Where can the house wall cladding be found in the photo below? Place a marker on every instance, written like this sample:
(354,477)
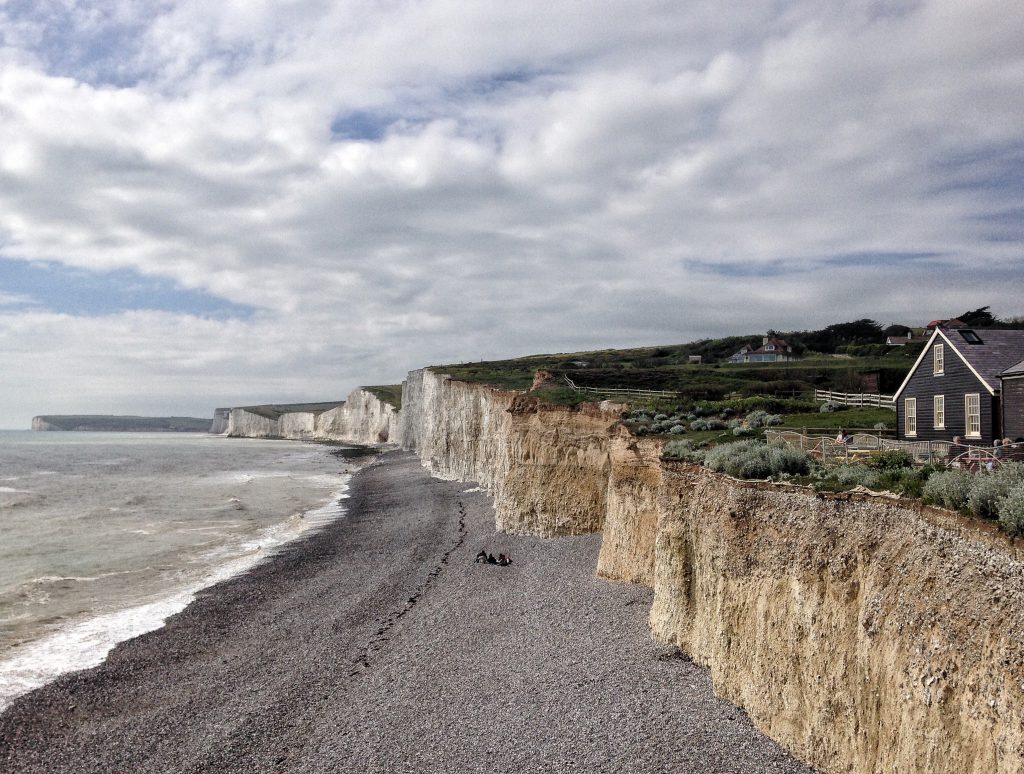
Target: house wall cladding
(956,381)
(1013,408)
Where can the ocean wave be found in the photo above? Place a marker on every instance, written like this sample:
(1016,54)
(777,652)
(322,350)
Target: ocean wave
(85,643)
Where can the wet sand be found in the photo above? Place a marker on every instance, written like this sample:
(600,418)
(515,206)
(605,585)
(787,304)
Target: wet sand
(377,645)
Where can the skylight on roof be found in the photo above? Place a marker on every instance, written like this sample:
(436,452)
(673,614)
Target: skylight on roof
(970,336)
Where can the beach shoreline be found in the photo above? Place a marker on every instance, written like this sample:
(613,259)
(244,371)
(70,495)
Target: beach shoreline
(376,644)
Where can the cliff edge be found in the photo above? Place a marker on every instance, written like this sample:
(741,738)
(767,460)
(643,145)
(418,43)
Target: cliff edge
(863,633)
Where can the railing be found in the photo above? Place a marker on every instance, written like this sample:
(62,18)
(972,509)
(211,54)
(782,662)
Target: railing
(863,445)
(621,391)
(856,398)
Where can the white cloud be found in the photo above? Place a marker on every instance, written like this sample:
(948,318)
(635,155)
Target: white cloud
(550,175)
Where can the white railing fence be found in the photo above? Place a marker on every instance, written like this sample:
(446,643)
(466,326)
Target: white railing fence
(855,398)
(620,390)
(863,445)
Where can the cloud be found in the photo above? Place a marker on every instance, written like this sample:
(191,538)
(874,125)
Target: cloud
(393,184)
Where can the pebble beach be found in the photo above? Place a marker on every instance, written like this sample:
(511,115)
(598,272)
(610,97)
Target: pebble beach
(377,645)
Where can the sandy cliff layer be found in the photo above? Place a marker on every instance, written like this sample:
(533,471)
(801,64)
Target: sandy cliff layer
(547,467)
(857,631)
(860,632)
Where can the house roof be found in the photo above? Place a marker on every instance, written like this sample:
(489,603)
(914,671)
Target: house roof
(987,352)
(1014,370)
(779,344)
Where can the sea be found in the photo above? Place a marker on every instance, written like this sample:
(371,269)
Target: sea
(103,536)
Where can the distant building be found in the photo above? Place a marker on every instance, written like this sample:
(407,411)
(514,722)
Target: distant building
(901,341)
(772,350)
(697,359)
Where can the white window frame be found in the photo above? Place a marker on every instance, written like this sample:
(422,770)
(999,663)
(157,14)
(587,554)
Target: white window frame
(939,412)
(938,360)
(975,398)
(910,417)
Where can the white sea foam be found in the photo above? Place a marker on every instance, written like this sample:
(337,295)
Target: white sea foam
(185,513)
(86,643)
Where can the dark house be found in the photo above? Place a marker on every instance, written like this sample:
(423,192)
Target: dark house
(954,387)
(1013,401)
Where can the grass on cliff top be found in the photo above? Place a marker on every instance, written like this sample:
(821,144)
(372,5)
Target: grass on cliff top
(665,368)
(275,410)
(389,393)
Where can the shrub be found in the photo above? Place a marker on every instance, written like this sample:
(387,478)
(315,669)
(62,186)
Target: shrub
(660,417)
(856,475)
(677,429)
(707,424)
(1011,510)
(881,426)
(739,430)
(949,488)
(751,459)
(682,449)
(761,418)
(894,459)
(988,488)
(829,407)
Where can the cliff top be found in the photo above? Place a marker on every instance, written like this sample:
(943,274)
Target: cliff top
(388,393)
(275,410)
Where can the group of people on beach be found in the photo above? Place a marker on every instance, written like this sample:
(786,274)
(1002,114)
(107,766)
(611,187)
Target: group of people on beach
(486,558)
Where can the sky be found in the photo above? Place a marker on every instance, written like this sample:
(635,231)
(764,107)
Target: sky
(215,204)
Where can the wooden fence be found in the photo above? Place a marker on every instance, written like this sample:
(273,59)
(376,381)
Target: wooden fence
(855,399)
(621,391)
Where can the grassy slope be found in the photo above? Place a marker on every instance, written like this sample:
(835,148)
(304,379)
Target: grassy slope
(389,393)
(665,368)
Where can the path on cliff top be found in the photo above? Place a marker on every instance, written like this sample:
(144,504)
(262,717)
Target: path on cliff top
(378,645)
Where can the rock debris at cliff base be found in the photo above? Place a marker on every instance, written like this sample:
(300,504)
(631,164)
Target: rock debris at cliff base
(378,645)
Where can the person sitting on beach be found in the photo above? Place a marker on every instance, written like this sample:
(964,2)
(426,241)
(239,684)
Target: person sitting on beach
(491,559)
(481,557)
(504,561)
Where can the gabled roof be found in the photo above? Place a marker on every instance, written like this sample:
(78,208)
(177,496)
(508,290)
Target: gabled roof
(992,352)
(1014,370)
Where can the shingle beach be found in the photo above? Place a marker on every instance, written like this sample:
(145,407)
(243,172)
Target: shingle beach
(378,645)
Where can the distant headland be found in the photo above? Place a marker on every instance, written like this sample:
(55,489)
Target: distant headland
(117,424)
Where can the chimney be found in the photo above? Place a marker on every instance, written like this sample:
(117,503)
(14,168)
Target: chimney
(764,341)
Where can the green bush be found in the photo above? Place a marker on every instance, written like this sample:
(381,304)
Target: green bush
(677,429)
(683,449)
(760,418)
(988,488)
(894,459)
(707,424)
(949,488)
(752,459)
(1011,511)
(856,475)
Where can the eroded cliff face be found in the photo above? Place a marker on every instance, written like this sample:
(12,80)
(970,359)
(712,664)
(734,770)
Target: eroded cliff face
(547,467)
(857,631)
(246,424)
(363,418)
(221,417)
(865,634)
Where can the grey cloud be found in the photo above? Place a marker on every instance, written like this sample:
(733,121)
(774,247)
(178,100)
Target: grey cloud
(534,177)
